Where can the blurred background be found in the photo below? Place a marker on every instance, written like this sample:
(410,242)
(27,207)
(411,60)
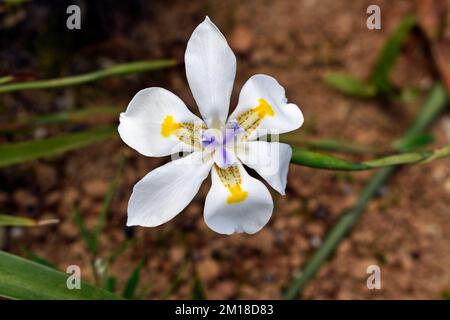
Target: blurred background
(405,229)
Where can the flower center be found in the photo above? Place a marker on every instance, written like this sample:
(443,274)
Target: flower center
(221,143)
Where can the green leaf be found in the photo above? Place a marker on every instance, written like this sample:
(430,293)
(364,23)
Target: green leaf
(91,115)
(397,159)
(14,153)
(389,53)
(16,221)
(380,79)
(110,284)
(350,86)
(117,70)
(75,115)
(436,100)
(84,232)
(323,161)
(197,291)
(412,142)
(112,257)
(133,280)
(24,279)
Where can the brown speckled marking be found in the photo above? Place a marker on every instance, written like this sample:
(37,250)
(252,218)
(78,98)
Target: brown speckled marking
(251,119)
(232,180)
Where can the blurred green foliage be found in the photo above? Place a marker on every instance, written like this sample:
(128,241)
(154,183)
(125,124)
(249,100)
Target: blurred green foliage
(13,153)
(379,82)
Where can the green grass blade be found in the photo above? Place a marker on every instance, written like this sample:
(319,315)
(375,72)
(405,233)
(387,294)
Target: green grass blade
(397,159)
(8,221)
(16,221)
(76,115)
(197,291)
(324,161)
(94,115)
(120,250)
(24,279)
(133,281)
(432,106)
(413,142)
(84,232)
(14,153)
(350,86)
(117,70)
(436,100)
(112,257)
(389,53)
(110,284)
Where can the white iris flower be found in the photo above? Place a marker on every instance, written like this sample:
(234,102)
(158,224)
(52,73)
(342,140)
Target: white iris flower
(157,123)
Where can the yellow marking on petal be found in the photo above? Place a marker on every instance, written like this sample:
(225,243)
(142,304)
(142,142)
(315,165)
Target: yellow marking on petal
(264,108)
(232,180)
(237,195)
(251,119)
(187,132)
(169,126)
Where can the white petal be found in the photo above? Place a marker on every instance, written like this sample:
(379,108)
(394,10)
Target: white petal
(270,159)
(248,215)
(210,70)
(140,125)
(166,190)
(287,116)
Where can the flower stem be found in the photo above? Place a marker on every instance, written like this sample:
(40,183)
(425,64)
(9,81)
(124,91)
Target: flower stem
(435,103)
(120,69)
(324,161)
